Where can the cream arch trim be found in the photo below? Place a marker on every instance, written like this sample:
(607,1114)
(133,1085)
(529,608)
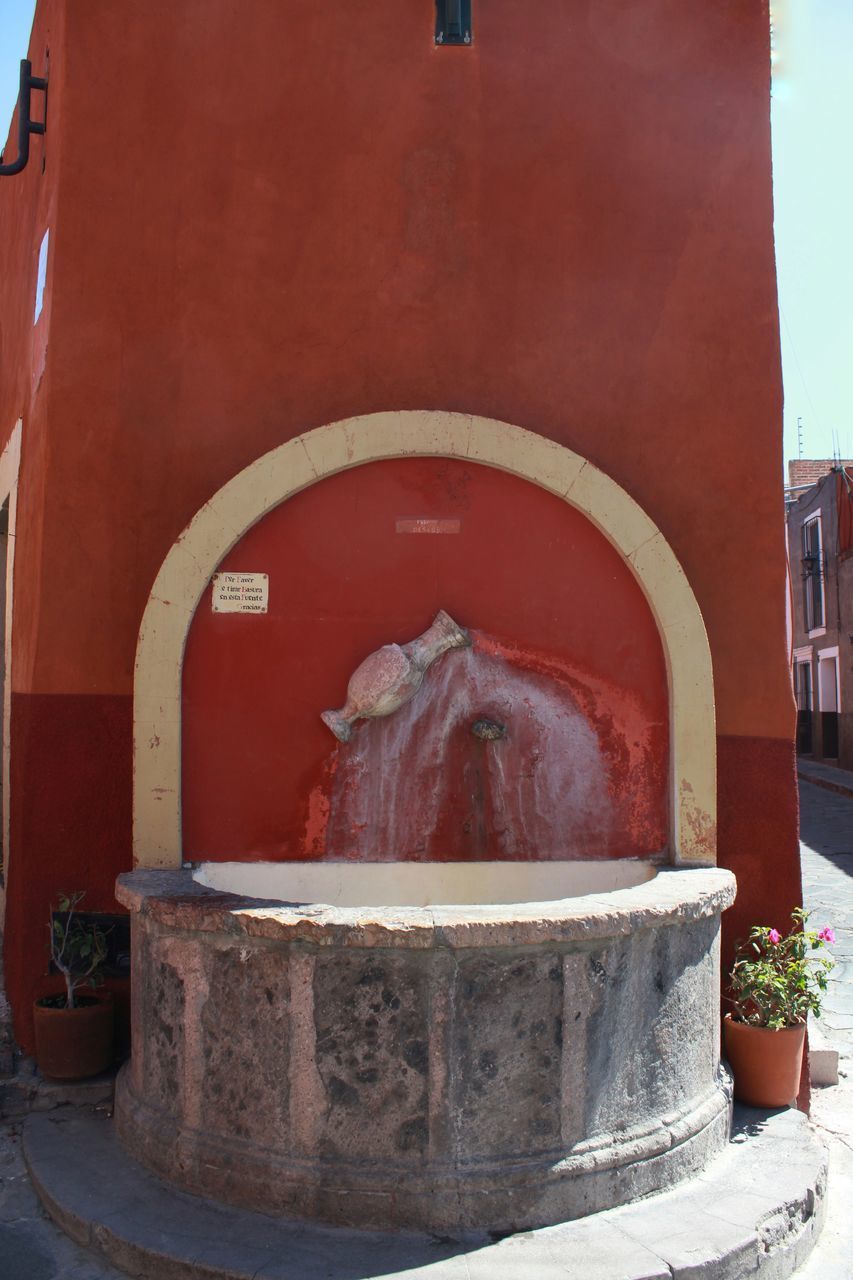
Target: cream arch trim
(300,462)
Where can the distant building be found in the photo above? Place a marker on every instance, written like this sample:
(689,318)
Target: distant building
(805,472)
(820,538)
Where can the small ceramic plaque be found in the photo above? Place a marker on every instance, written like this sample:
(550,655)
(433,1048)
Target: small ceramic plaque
(240,592)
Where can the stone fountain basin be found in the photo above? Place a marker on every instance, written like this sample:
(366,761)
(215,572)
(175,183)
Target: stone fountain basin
(500,1066)
(422,884)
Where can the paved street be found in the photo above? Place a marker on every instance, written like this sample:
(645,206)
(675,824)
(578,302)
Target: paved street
(31,1248)
(826,833)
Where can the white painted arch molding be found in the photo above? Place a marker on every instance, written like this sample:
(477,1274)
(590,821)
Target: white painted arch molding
(322,452)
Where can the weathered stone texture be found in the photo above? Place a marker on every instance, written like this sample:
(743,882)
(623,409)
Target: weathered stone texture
(506,1055)
(371,1018)
(656,991)
(243,1065)
(162,1017)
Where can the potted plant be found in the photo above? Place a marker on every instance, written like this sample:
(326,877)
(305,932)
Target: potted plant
(775,983)
(74,1028)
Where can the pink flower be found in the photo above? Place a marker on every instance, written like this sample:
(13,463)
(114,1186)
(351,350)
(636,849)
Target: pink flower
(827,934)
(775,936)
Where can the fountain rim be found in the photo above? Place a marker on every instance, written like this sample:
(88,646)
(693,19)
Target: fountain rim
(174,900)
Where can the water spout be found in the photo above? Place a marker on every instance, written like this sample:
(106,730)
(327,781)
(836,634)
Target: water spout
(488,730)
(391,676)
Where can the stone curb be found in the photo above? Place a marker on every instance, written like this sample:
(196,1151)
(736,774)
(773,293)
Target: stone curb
(755,1211)
(828,785)
(823,1056)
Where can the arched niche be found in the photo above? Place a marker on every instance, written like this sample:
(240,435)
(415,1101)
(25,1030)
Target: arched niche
(323,452)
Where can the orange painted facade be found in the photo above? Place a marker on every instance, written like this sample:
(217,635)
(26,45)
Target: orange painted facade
(264,222)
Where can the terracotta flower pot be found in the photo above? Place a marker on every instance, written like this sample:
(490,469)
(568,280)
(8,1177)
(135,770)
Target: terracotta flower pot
(72,1044)
(766,1064)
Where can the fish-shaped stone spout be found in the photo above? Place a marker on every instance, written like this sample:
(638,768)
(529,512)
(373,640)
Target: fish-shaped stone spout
(392,675)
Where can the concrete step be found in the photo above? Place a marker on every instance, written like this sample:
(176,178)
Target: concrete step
(756,1211)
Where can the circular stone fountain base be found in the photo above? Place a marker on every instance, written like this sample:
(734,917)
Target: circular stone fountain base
(498,1067)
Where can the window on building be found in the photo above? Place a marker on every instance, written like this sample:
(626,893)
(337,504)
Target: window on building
(813,598)
(803,683)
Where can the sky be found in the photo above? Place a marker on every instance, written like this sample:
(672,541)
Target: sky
(16,19)
(812,115)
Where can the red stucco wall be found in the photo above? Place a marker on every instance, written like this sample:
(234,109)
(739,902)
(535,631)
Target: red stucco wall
(264,223)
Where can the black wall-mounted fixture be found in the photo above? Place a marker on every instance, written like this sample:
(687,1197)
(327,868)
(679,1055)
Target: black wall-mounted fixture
(452,21)
(26,125)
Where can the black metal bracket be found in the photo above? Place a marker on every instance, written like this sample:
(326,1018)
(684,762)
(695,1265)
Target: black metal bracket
(813,565)
(452,21)
(26,125)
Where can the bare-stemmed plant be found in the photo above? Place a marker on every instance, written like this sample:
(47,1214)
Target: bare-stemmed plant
(77,950)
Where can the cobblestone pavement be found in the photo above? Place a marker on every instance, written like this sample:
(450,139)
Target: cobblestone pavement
(826,832)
